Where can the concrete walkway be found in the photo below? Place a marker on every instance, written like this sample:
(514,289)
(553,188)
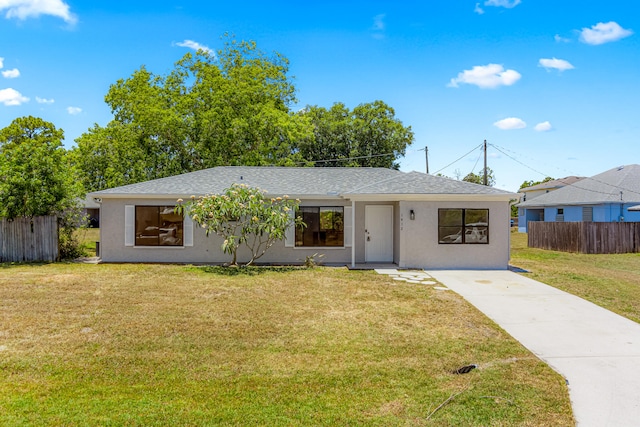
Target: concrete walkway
(597,351)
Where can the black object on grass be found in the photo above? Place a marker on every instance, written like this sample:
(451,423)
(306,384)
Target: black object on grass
(465,369)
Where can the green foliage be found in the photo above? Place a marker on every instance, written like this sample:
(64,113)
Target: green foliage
(479,178)
(312,261)
(242,215)
(233,108)
(111,156)
(209,111)
(36,175)
(527,184)
(370,136)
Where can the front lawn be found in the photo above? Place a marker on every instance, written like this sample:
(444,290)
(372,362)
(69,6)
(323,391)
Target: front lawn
(177,345)
(610,281)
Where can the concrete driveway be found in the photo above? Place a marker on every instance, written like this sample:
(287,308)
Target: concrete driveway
(597,351)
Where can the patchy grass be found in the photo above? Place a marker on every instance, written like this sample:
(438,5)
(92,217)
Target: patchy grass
(87,237)
(611,281)
(179,345)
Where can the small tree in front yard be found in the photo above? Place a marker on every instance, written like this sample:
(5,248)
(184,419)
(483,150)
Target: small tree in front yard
(242,215)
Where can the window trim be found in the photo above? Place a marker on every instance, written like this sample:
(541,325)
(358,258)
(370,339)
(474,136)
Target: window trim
(464,228)
(130,229)
(160,209)
(345,227)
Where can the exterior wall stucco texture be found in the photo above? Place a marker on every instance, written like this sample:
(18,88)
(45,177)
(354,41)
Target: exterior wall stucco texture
(205,249)
(419,246)
(415,242)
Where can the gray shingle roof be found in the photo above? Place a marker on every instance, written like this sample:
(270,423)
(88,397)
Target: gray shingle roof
(598,189)
(554,183)
(300,182)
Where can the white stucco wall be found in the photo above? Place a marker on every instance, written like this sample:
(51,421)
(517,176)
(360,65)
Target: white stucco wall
(419,247)
(205,249)
(415,242)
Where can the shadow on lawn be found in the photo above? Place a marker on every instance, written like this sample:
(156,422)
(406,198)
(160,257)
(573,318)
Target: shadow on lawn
(251,270)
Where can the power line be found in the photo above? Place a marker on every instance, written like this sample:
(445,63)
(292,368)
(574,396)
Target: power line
(348,158)
(575,185)
(458,159)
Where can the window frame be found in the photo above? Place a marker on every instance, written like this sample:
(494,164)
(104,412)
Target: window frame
(462,229)
(179,230)
(297,238)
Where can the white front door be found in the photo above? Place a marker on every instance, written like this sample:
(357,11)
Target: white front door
(378,233)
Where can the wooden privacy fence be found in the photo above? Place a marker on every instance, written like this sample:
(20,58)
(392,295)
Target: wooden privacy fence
(585,237)
(29,239)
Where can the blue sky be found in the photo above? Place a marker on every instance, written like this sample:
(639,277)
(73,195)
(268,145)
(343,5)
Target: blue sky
(553,86)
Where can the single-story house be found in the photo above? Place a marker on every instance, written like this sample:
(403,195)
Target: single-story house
(91,210)
(354,216)
(606,197)
(534,191)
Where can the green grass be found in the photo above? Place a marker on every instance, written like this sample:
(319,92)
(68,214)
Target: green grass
(181,345)
(88,238)
(610,281)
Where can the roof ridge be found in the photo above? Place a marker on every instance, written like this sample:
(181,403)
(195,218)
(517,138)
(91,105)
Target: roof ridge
(376,182)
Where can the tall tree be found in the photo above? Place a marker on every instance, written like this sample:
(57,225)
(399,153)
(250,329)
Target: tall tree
(229,109)
(36,177)
(479,178)
(369,135)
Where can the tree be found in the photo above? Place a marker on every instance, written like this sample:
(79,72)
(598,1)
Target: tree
(36,176)
(111,156)
(370,135)
(527,184)
(232,109)
(242,215)
(479,178)
(37,179)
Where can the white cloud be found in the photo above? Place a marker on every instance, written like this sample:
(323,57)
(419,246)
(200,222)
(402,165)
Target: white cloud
(11,96)
(74,110)
(510,123)
(11,74)
(1,62)
(559,39)
(486,76)
(194,45)
(502,3)
(603,33)
(44,100)
(23,9)
(558,64)
(378,26)
(479,10)
(543,127)
(378,22)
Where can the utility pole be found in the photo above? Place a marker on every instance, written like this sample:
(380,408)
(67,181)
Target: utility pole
(426,154)
(484,179)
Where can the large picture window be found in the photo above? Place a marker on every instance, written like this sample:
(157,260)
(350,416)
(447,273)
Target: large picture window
(158,226)
(325,226)
(459,226)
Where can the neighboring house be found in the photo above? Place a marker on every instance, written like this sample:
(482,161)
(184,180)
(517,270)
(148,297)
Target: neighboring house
(353,216)
(91,210)
(605,197)
(534,191)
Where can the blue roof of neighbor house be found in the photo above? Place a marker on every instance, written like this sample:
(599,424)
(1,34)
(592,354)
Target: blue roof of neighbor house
(301,182)
(603,188)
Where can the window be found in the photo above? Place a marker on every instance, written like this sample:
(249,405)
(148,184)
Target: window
(158,226)
(463,226)
(325,226)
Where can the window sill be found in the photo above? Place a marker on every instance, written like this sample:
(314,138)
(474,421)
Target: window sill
(157,247)
(324,248)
